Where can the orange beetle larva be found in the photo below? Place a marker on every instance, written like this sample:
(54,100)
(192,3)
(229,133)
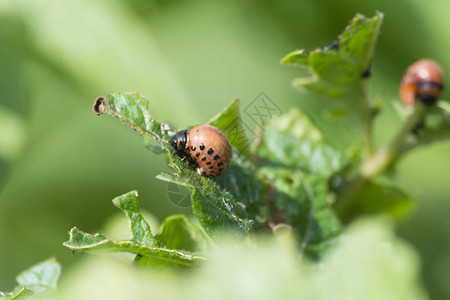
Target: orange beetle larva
(421,82)
(206,146)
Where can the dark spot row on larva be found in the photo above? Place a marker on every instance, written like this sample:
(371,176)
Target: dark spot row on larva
(202,147)
(208,163)
(197,154)
(216,157)
(220,170)
(211,167)
(220,163)
(210,151)
(193,148)
(204,158)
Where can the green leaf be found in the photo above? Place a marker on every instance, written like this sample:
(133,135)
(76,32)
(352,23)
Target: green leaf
(296,163)
(387,267)
(132,109)
(41,277)
(436,127)
(97,243)
(340,70)
(218,203)
(369,262)
(178,232)
(241,181)
(38,281)
(142,243)
(297,58)
(230,123)
(139,227)
(375,198)
(292,141)
(215,208)
(18,294)
(336,69)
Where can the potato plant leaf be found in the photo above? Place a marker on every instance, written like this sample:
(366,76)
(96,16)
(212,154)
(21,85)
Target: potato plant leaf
(142,243)
(214,207)
(38,281)
(217,203)
(296,163)
(177,232)
(375,198)
(229,122)
(132,109)
(140,229)
(436,127)
(339,70)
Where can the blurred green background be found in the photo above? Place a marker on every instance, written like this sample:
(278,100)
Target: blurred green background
(60,165)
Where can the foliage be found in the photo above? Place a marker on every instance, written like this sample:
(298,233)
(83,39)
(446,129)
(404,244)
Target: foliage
(149,250)
(291,177)
(270,271)
(291,185)
(38,282)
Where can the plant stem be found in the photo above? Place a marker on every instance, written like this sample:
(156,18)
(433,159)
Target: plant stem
(381,160)
(365,109)
(367,120)
(387,154)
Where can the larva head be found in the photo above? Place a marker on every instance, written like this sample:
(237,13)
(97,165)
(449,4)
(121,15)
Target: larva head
(179,141)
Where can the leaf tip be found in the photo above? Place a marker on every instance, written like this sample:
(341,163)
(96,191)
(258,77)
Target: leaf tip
(99,106)
(297,57)
(127,201)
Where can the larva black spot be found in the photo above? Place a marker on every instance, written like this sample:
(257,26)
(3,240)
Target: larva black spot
(197,154)
(208,163)
(202,147)
(210,151)
(211,167)
(216,157)
(204,158)
(193,148)
(220,170)
(220,163)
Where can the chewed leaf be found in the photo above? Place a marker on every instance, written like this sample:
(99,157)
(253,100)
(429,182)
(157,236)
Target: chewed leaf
(139,227)
(241,182)
(39,280)
(132,109)
(143,243)
(97,243)
(337,68)
(218,204)
(230,201)
(230,123)
(215,208)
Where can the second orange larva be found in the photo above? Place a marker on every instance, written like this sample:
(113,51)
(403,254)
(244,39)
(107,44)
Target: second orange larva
(422,81)
(205,145)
